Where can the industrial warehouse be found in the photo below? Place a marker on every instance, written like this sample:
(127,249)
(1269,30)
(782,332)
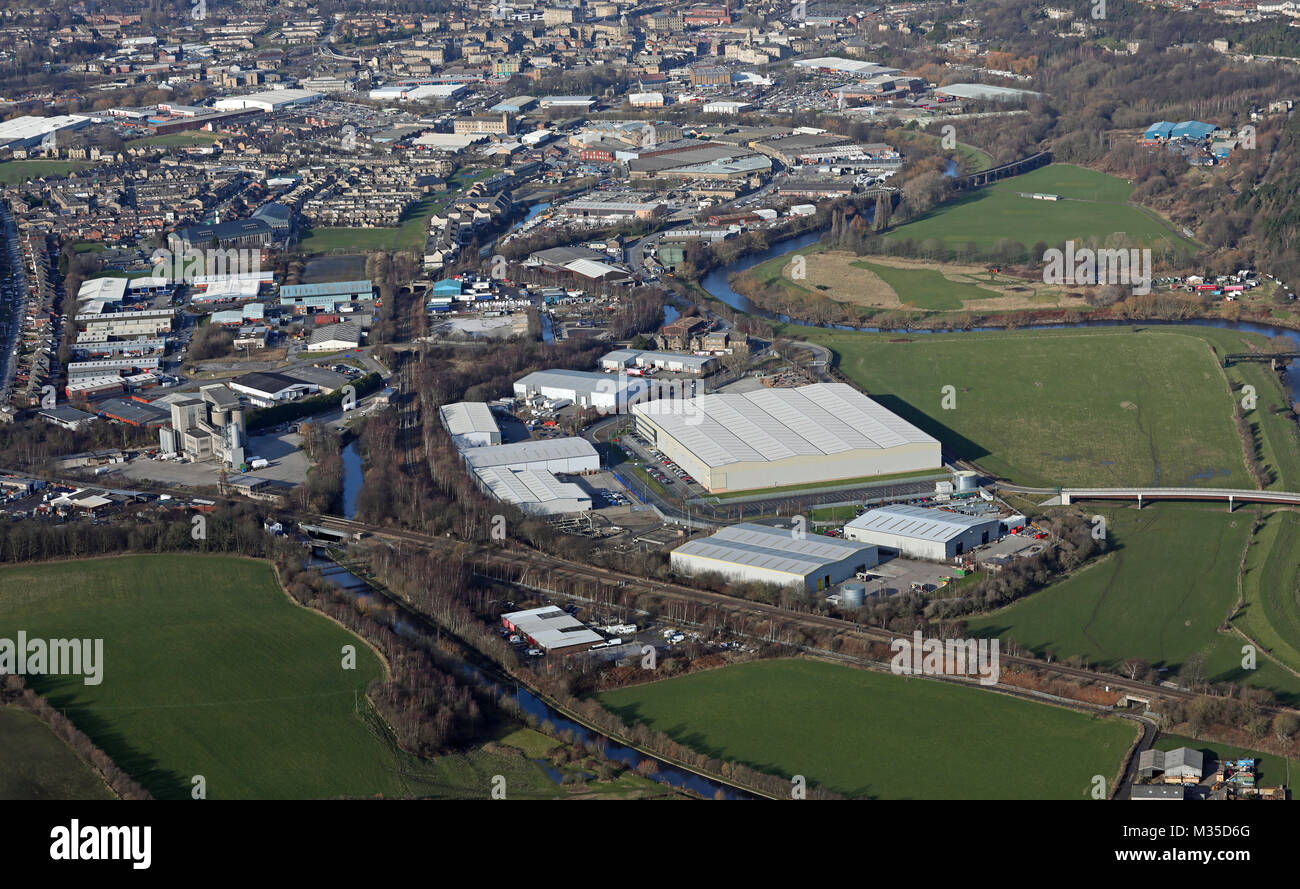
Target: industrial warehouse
(470,424)
(747,552)
(523,473)
(586,389)
(551,630)
(825,432)
(922,533)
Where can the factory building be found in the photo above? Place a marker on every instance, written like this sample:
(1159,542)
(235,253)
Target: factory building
(470,424)
(210,427)
(823,433)
(633,359)
(922,533)
(586,389)
(551,629)
(534,491)
(552,455)
(762,553)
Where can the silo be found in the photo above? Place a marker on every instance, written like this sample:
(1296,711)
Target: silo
(965,481)
(852,595)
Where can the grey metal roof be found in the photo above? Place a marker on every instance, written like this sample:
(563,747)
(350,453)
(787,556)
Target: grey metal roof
(465,417)
(917,522)
(773,424)
(529,486)
(528,452)
(773,549)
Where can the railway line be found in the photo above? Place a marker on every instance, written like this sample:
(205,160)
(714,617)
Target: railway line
(540,570)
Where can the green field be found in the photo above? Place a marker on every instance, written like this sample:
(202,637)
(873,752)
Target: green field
(20,171)
(1160,596)
(1094,205)
(173,140)
(1270,769)
(330,240)
(1102,406)
(1271,587)
(867,734)
(209,669)
(37,765)
(1276,432)
(926,288)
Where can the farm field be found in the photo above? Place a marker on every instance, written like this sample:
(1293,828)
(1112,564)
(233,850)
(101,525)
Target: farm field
(1160,596)
(1271,614)
(1093,205)
(1101,406)
(37,765)
(209,669)
(866,734)
(1277,435)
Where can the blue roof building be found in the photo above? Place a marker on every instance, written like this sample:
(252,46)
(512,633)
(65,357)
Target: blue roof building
(1192,131)
(346,290)
(1159,131)
(447,287)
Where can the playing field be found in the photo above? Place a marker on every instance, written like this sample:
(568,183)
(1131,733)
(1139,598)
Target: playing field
(19,171)
(1160,596)
(1093,205)
(869,734)
(36,765)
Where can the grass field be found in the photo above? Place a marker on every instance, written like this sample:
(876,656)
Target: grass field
(1094,205)
(869,734)
(209,669)
(329,240)
(173,140)
(1103,406)
(1277,434)
(1160,596)
(1270,769)
(37,765)
(1271,588)
(926,288)
(19,171)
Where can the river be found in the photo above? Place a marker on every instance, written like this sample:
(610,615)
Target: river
(719,287)
(423,632)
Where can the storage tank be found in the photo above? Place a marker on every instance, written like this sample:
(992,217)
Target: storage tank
(965,481)
(853,595)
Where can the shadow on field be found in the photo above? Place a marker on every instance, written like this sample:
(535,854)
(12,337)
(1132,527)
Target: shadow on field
(954,444)
(140,766)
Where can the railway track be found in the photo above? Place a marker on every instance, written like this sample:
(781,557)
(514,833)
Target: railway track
(534,568)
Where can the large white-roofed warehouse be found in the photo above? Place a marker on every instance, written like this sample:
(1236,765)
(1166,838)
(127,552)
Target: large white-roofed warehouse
(604,392)
(748,552)
(922,533)
(534,491)
(470,424)
(825,432)
(552,455)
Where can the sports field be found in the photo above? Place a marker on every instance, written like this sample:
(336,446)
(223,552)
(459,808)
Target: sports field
(1093,205)
(1160,596)
(19,171)
(37,765)
(1101,406)
(867,734)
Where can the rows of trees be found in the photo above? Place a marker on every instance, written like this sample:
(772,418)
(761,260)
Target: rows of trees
(14,692)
